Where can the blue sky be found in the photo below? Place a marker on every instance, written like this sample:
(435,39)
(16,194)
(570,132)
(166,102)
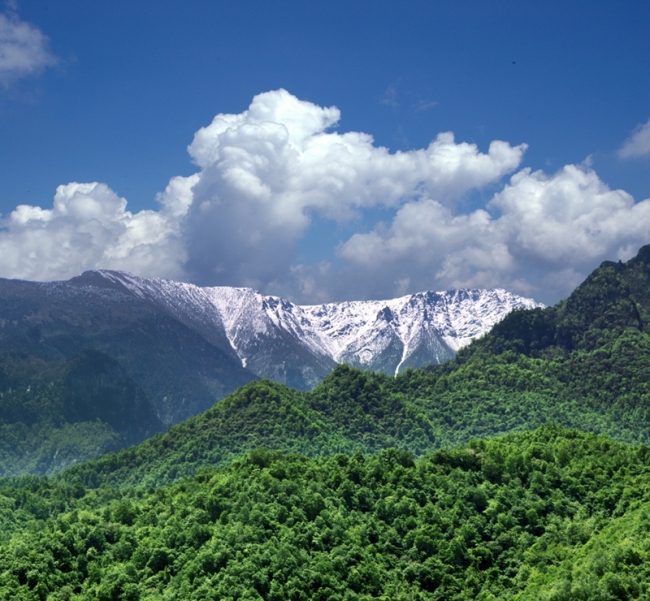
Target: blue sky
(113,94)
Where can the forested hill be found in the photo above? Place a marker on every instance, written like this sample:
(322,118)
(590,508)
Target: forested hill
(518,377)
(546,516)
(614,299)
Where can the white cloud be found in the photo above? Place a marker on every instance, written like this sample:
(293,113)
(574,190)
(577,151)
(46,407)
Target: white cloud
(23,49)
(542,236)
(89,227)
(263,173)
(266,172)
(638,144)
(425,105)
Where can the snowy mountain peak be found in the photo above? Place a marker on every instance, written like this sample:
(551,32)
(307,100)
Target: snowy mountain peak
(298,345)
(410,331)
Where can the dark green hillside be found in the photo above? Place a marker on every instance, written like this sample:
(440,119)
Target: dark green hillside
(614,299)
(54,414)
(350,411)
(552,514)
(181,372)
(88,367)
(260,413)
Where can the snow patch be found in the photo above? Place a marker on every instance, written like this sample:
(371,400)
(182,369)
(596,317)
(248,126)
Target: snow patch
(390,335)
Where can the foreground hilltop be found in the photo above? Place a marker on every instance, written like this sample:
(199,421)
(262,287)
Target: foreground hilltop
(546,515)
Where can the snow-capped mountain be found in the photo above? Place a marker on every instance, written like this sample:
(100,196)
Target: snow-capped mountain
(189,346)
(298,345)
(411,331)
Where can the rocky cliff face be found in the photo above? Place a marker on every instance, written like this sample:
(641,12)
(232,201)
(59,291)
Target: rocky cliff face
(411,331)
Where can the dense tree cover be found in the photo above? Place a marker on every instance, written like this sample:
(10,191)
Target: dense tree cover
(550,514)
(614,299)
(350,411)
(604,391)
(56,413)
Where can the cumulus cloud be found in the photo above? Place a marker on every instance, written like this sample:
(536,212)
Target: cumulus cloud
(264,174)
(638,144)
(540,235)
(265,171)
(88,227)
(23,49)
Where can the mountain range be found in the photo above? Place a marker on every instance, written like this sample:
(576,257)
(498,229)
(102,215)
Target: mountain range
(159,351)
(298,345)
(581,364)
(202,343)
(519,469)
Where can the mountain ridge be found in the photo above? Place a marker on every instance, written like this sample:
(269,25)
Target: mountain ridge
(188,347)
(384,335)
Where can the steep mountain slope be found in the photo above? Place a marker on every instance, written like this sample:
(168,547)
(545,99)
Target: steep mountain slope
(387,336)
(189,346)
(272,336)
(299,345)
(613,301)
(55,414)
(411,331)
(181,372)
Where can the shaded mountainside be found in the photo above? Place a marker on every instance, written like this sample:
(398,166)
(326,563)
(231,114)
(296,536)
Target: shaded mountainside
(502,382)
(54,414)
(188,346)
(298,345)
(87,367)
(350,411)
(180,371)
(547,515)
(613,300)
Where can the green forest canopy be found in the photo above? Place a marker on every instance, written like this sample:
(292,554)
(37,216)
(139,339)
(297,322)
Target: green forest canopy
(552,514)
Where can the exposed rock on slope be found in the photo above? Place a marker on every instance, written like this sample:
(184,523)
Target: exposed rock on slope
(298,345)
